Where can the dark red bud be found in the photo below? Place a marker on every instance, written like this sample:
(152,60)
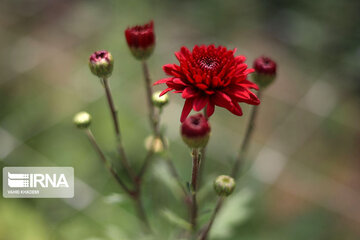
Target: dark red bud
(265,65)
(265,71)
(195,131)
(101,63)
(141,40)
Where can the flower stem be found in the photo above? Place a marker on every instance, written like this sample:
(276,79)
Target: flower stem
(108,165)
(141,212)
(202,165)
(204,234)
(203,155)
(120,147)
(246,141)
(194,178)
(134,194)
(154,119)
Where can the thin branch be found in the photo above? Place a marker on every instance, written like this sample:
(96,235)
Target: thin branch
(120,147)
(246,141)
(141,212)
(202,165)
(194,178)
(154,119)
(107,164)
(143,169)
(204,234)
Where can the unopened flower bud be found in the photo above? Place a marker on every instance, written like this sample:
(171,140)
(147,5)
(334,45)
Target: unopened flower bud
(141,40)
(82,120)
(160,101)
(154,144)
(224,185)
(265,71)
(195,131)
(101,64)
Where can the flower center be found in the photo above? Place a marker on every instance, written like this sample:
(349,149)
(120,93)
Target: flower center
(100,55)
(195,121)
(208,63)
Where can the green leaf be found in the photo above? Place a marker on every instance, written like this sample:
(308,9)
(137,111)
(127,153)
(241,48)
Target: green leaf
(233,213)
(175,219)
(162,173)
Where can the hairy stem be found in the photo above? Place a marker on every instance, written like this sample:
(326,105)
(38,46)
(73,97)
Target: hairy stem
(204,234)
(135,195)
(246,141)
(202,165)
(107,164)
(203,155)
(154,119)
(120,146)
(194,178)
(141,212)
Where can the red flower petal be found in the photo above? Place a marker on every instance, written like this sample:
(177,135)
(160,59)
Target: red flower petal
(200,102)
(165,91)
(165,80)
(186,109)
(210,109)
(189,92)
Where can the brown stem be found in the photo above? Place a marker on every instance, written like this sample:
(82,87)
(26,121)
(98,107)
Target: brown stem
(141,211)
(246,141)
(120,147)
(154,119)
(145,165)
(194,177)
(202,165)
(203,155)
(206,231)
(106,163)
(135,195)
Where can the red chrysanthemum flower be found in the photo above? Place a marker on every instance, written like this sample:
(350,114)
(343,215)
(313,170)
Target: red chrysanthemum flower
(141,40)
(210,76)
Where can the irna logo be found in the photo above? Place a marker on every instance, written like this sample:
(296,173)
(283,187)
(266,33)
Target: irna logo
(38,182)
(19,180)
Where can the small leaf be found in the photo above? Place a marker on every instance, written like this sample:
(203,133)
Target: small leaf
(178,221)
(188,187)
(161,172)
(233,213)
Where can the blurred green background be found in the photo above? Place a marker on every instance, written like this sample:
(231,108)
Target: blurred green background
(302,177)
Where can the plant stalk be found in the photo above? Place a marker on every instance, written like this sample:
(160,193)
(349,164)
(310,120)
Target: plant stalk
(194,178)
(246,141)
(120,146)
(135,195)
(204,234)
(107,164)
(154,119)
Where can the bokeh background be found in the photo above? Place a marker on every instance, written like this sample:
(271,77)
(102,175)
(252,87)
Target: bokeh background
(302,176)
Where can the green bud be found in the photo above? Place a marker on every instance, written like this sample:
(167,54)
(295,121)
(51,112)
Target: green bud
(160,101)
(265,71)
(82,120)
(224,185)
(101,64)
(154,144)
